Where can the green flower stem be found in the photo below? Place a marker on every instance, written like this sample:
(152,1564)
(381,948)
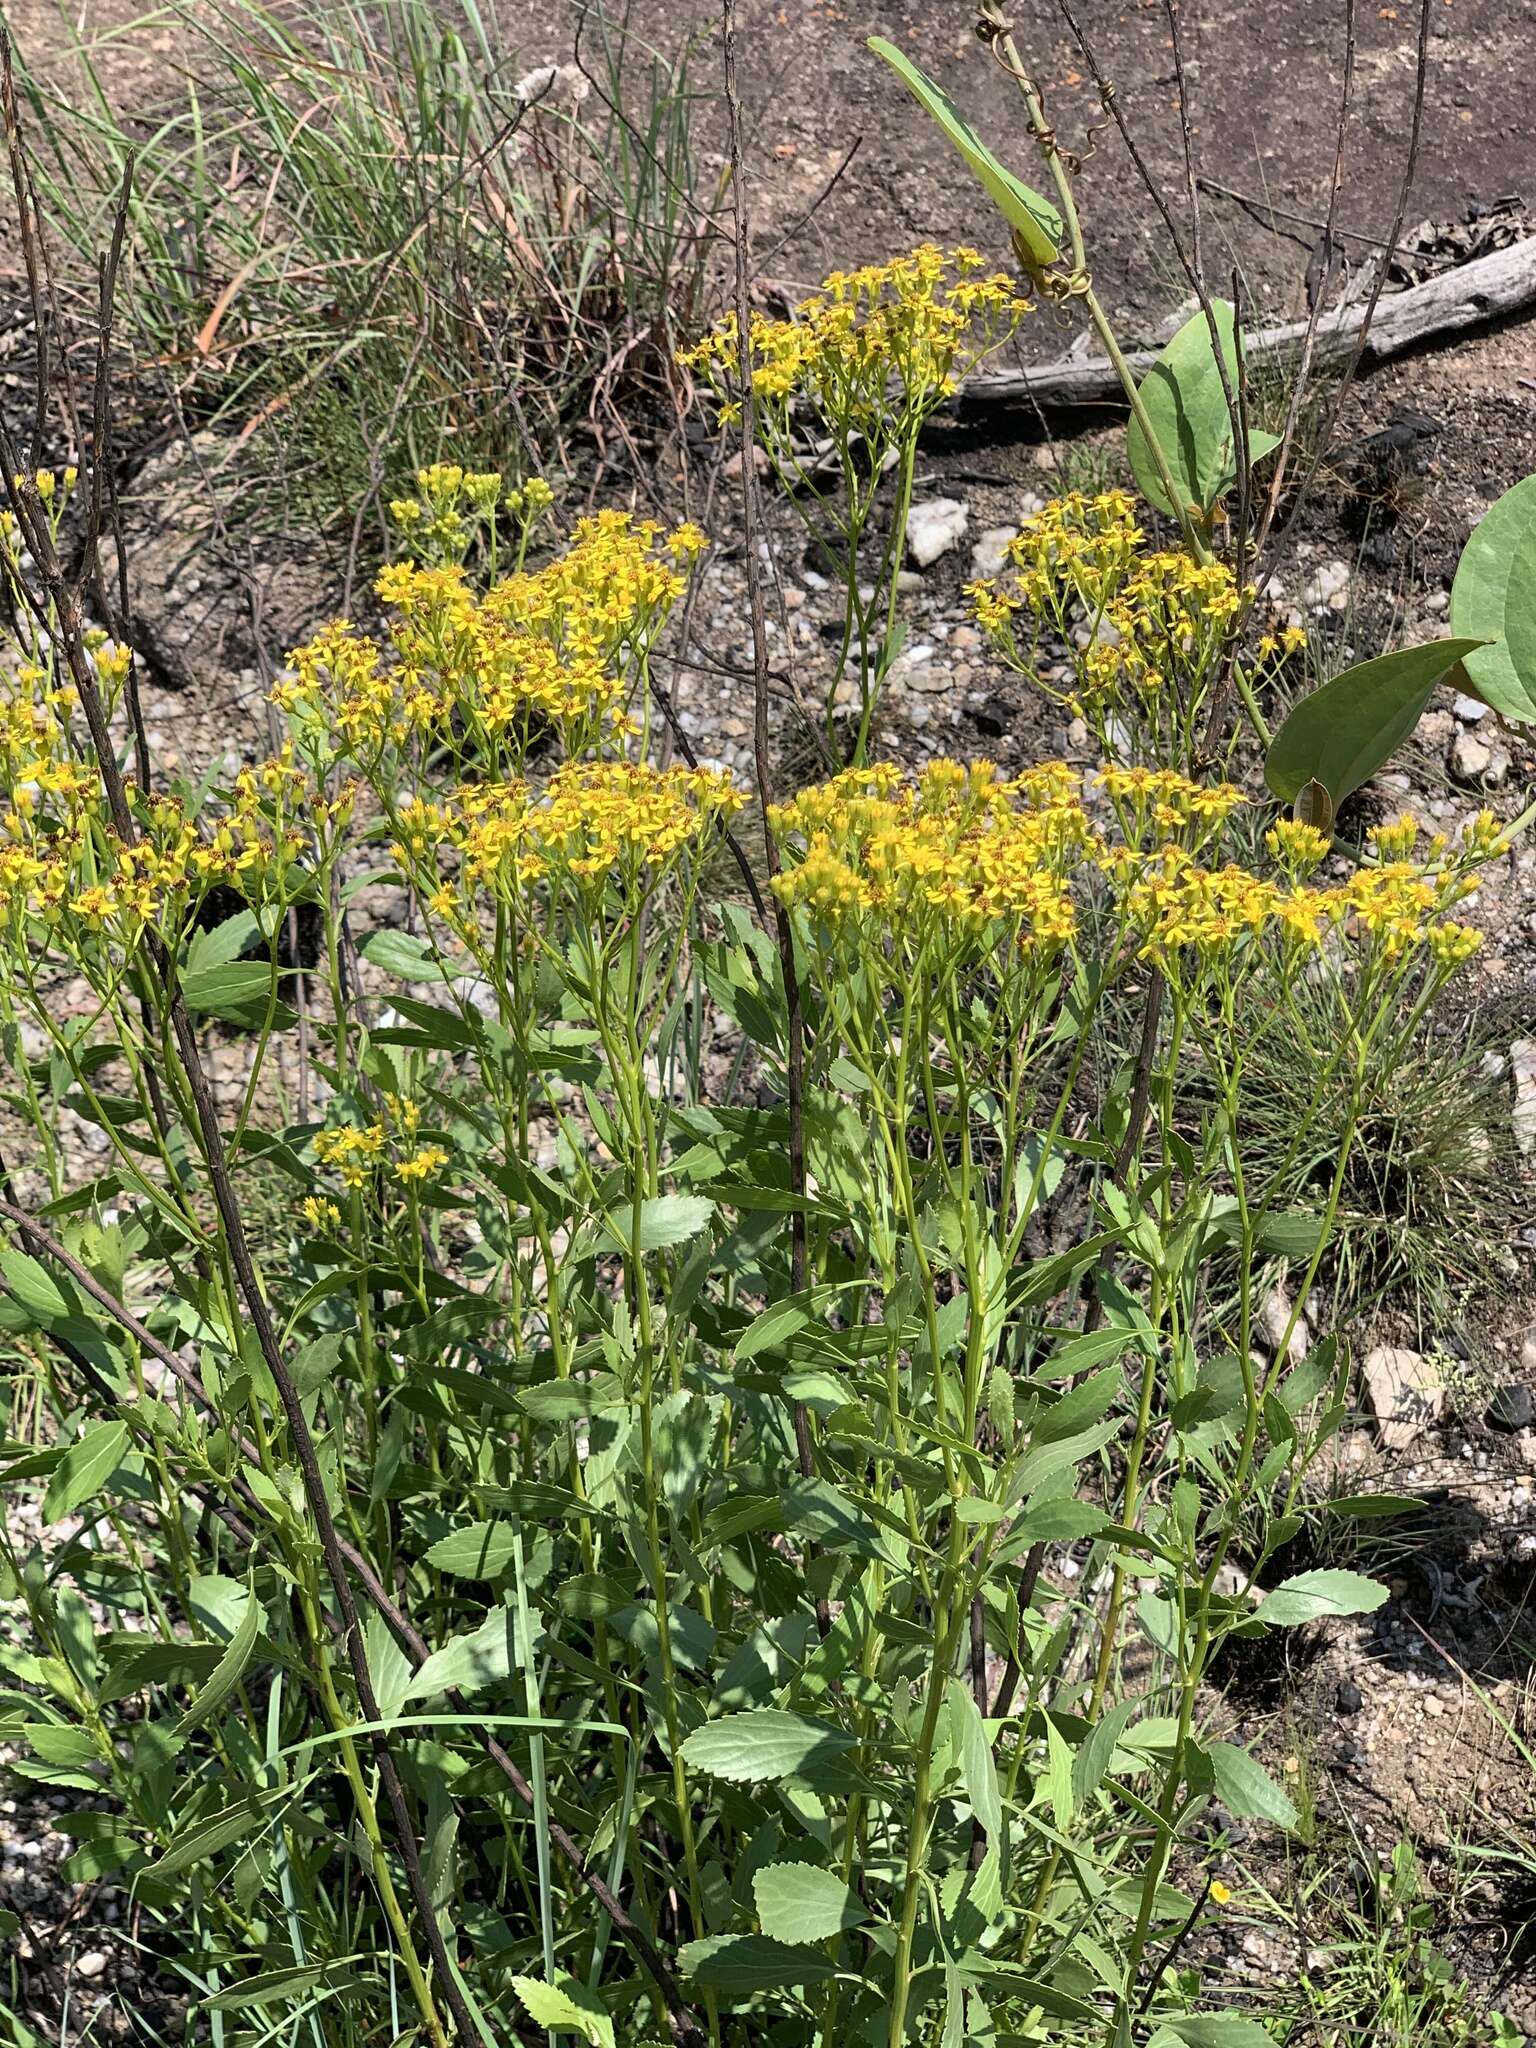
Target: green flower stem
(368,1819)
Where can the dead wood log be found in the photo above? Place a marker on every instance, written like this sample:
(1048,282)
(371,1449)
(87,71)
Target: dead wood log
(1485,289)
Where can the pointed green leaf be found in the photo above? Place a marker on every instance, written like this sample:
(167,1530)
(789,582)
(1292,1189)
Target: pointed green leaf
(229,1670)
(1218,2030)
(799,1902)
(978,1768)
(480,1550)
(664,1220)
(1341,734)
(1494,598)
(235,989)
(1186,402)
(33,1286)
(1310,1595)
(85,1469)
(1246,1788)
(1033,219)
(484,1656)
(207,1837)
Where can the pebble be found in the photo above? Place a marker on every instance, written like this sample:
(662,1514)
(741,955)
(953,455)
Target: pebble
(1328,588)
(1511,1408)
(1470,758)
(1348,1697)
(92,1964)
(933,527)
(1522,1060)
(1470,710)
(989,556)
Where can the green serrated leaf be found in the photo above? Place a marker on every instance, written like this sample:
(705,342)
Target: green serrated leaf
(762,1745)
(1246,1788)
(663,1220)
(229,1670)
(800,1902)
(481,1550)
(752,1962)
(85,1469)
(566,2008)
(485,1656)
(978,1766)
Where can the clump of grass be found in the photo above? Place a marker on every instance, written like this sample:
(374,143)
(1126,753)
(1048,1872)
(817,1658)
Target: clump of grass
(368,234)
(1374,1966)
(1425,1200)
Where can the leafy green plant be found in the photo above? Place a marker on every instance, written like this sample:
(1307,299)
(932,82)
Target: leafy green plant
(605,1569)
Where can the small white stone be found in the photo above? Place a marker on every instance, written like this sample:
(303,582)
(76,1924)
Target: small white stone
(1522,1060)
(92,1964)
(1470,759)
(933,528)
(990,553)
(1468,709)
(1404,1391)
(1328,588)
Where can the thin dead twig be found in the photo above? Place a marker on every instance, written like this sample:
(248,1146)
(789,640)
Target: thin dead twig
(794,1063)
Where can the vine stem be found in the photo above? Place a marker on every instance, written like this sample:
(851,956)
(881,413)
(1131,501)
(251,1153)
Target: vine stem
(1005,50)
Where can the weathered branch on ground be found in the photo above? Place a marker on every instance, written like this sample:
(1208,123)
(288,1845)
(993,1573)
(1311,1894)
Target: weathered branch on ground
(1488,288)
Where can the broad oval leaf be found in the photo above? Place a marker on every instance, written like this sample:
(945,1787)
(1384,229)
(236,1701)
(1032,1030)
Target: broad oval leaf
(1311,1595)
(762,1745)
(800,1902)
(1034,220)
(1186,403)
(1341,734)
(234,989)
(1494,599)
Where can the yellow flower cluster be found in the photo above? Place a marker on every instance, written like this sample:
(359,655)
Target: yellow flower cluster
(609,593)
(455,506)
(958,853)
(597,824)
(557,645)
(1391,907)
(356,1153)
(1156,805)
(1153,622)
(965,855)
(61,861)
(920,322)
